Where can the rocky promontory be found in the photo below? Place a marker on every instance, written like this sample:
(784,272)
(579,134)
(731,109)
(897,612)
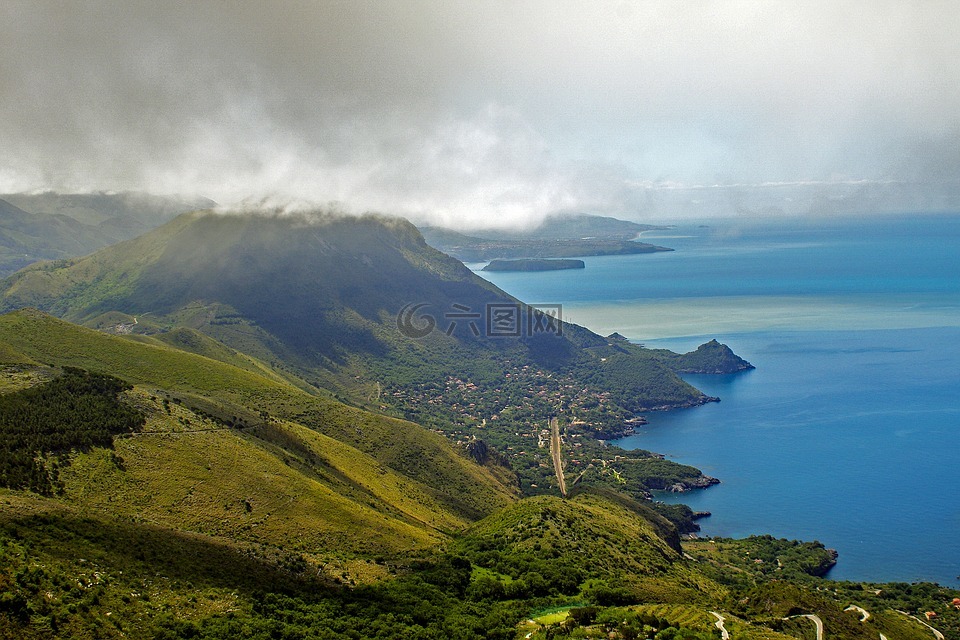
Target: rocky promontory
(711,357)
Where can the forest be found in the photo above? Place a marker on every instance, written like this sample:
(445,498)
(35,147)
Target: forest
(40,426)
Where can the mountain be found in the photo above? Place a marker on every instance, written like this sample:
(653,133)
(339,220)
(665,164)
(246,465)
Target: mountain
(125,213)
(362,308)
(195,490)
(50,226)
(561,236)
(26,238)
(322,295)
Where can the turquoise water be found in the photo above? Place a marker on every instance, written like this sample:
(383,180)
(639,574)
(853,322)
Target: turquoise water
(848,431)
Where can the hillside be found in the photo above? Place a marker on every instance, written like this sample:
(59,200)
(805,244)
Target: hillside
(50,226)
(542,568)
(226,502)
(316,450)
(364,309)
(26,238)
(320,293)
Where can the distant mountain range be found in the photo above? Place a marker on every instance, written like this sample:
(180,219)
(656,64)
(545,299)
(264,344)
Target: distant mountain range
(50,225)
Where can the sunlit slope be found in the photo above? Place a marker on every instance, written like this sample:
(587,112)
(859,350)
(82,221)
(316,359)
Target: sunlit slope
(564,544)
(308,453)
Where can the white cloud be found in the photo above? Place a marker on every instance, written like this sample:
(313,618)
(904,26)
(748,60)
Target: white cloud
(479,111)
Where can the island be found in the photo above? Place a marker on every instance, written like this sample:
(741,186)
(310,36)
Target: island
(533,264)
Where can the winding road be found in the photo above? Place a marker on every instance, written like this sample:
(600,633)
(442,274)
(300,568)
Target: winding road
(555,454)
(864,614)
(724,635)
(936,633)
(816,620)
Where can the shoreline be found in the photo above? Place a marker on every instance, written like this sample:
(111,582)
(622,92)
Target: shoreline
(825,340)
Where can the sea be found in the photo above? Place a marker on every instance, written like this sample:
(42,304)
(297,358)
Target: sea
(848,430)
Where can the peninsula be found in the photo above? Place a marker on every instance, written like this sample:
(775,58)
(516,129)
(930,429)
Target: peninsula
(533,264)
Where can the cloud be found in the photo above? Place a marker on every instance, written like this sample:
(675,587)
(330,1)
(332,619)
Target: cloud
(472,112)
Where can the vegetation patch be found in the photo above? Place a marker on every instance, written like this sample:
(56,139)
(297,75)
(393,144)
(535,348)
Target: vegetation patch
(74,412)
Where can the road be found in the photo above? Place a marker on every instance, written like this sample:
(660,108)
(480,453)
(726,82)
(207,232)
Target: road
(816,620)
(719,625)
(864,614)
(555,454)
(935,632)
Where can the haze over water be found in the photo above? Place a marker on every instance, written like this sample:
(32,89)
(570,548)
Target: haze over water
(847,431)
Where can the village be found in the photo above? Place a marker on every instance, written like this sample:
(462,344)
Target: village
(511,417)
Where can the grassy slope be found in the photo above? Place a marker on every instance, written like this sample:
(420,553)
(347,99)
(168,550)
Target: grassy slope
(192,520)
(426,483)
(191,340)
(589,537)
(74,573)
(68,571)
(226,483)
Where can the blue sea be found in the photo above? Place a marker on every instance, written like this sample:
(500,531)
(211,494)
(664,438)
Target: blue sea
(848,431)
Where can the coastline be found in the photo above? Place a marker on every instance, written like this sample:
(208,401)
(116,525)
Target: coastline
(762,438)
(850,376)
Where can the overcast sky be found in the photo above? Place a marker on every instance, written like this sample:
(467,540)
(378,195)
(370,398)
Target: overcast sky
(476,111)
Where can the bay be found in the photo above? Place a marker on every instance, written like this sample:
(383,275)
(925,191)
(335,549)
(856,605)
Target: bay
(847,431)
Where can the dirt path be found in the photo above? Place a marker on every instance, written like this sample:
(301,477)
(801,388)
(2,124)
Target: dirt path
(555,454)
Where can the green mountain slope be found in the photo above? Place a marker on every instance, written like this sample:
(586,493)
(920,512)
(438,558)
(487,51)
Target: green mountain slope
(48,226)
(338,303)
(321,295)
(265,428)
(549,545)
(542,568)
(239,505)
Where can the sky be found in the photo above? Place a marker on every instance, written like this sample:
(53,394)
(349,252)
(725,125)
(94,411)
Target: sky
(487,112)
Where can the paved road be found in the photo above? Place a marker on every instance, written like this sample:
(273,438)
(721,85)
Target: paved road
(935,632)
(719,625)
(864,614)
(555,454)
(816,620)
